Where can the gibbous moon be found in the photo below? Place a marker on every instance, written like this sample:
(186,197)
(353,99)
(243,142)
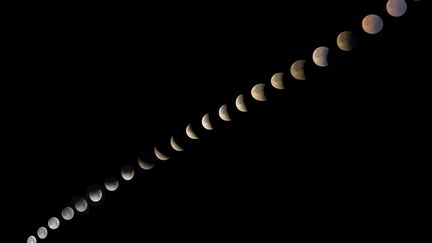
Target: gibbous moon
(319,56)
(277,81)
(297,70)
(240,103)
(372,24)
(53,223)
(31,239)
(396,8)
(111,183)
(205,121)
(81,205)
(95,193)
(145,164)
(346,41)
(160,155)
(258,93)
(67,213)
(42,232)
(127,172)
(190,133)
(223,113)
(175,145)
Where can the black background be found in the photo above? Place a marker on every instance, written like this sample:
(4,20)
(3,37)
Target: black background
(331,157)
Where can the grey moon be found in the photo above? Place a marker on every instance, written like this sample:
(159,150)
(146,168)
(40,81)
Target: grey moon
(223,113)
(320,56)
(175,145)
(95,195)
(396,8)
(67,213)
(31,239)
(297,70)
(145,165)
(240,103)
(81,205)
(111,183)
(53,223)
(190,133)
(346,41)
(127,172)
(372,24)
(258,92)
(42,232)
(159,154)
(277,81)
(205,121)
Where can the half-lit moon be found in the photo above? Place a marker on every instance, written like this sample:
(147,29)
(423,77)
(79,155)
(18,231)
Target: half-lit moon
(320,56)
(127,172)
(159,154)
(175,145)
(111,183)
(95,193)
(240,103)
(372,24)
(297,70)
(31,239)
(346,41)
(145,164)
(396,8)
(81,205)
(67,213)
(223,113)
(205,121)
(42,232)
(53,223)
(277,81)
(190,133)
(258,92)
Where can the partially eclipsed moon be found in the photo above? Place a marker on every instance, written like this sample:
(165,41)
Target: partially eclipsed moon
(175,145)
(396,8)
(111,183)
(372,24)
(127,172)
(277,81)
(205,121)
(223,113)
(31,239)
(320,55)
(297,70)
(240,103)
(53,223)
(42,232)
(258,92)
(81,205)
(67,213)
(95,194)
(190,133)
(159,154)
(145,164)
(346,41)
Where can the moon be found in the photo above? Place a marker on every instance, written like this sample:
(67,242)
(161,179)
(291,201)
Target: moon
(320,56)
(159,154)
(223,113)
(42,232)
(111,183)
(297,70)
(205,121)
(53,223)
(277,81)
(145,164)
(372,24)
(95,194)
(258,93)
(346,41)
(127,172)
(67,213)
(190,133)
(81,205)
(396,8)
(31,239)
(175,145)
(240,103)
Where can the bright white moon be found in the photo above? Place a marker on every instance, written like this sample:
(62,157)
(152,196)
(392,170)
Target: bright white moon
(67,213)
(127,172)
(95,194)
(31,239)
(53,223)
(111,183)
(81,205)
(42,232)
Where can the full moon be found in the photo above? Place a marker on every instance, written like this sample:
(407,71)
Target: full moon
(95,193)
(127,172)
(67,213)
(258,93)
(31,239)
(111,183)
(190,133)
(42,232)
(240,103)
(81,205)
(319,56)
(372,24)
(53,223)
(396,8)
(297,70)
(145,164)
(205,121)
(223,113)
(277,81)
(346,41)
(175,145)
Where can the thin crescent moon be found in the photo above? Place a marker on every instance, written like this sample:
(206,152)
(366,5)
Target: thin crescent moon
(240,103)
(145,165)
(205,121)
(190,133)
(160,155)
(223,113)
(175,145)
(257,92)
(277,81)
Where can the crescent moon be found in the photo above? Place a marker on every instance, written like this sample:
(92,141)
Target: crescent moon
(205,121)
(160,155)
(240,103)
(277,81)
(257,92)
(145,165)
(346,41)
(190,133)
(297,70)
(320,56)
(175,145)
(223,113)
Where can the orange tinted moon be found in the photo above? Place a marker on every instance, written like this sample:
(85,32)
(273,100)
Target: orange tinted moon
(372,24)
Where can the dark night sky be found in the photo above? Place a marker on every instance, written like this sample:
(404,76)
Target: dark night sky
(87,95)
